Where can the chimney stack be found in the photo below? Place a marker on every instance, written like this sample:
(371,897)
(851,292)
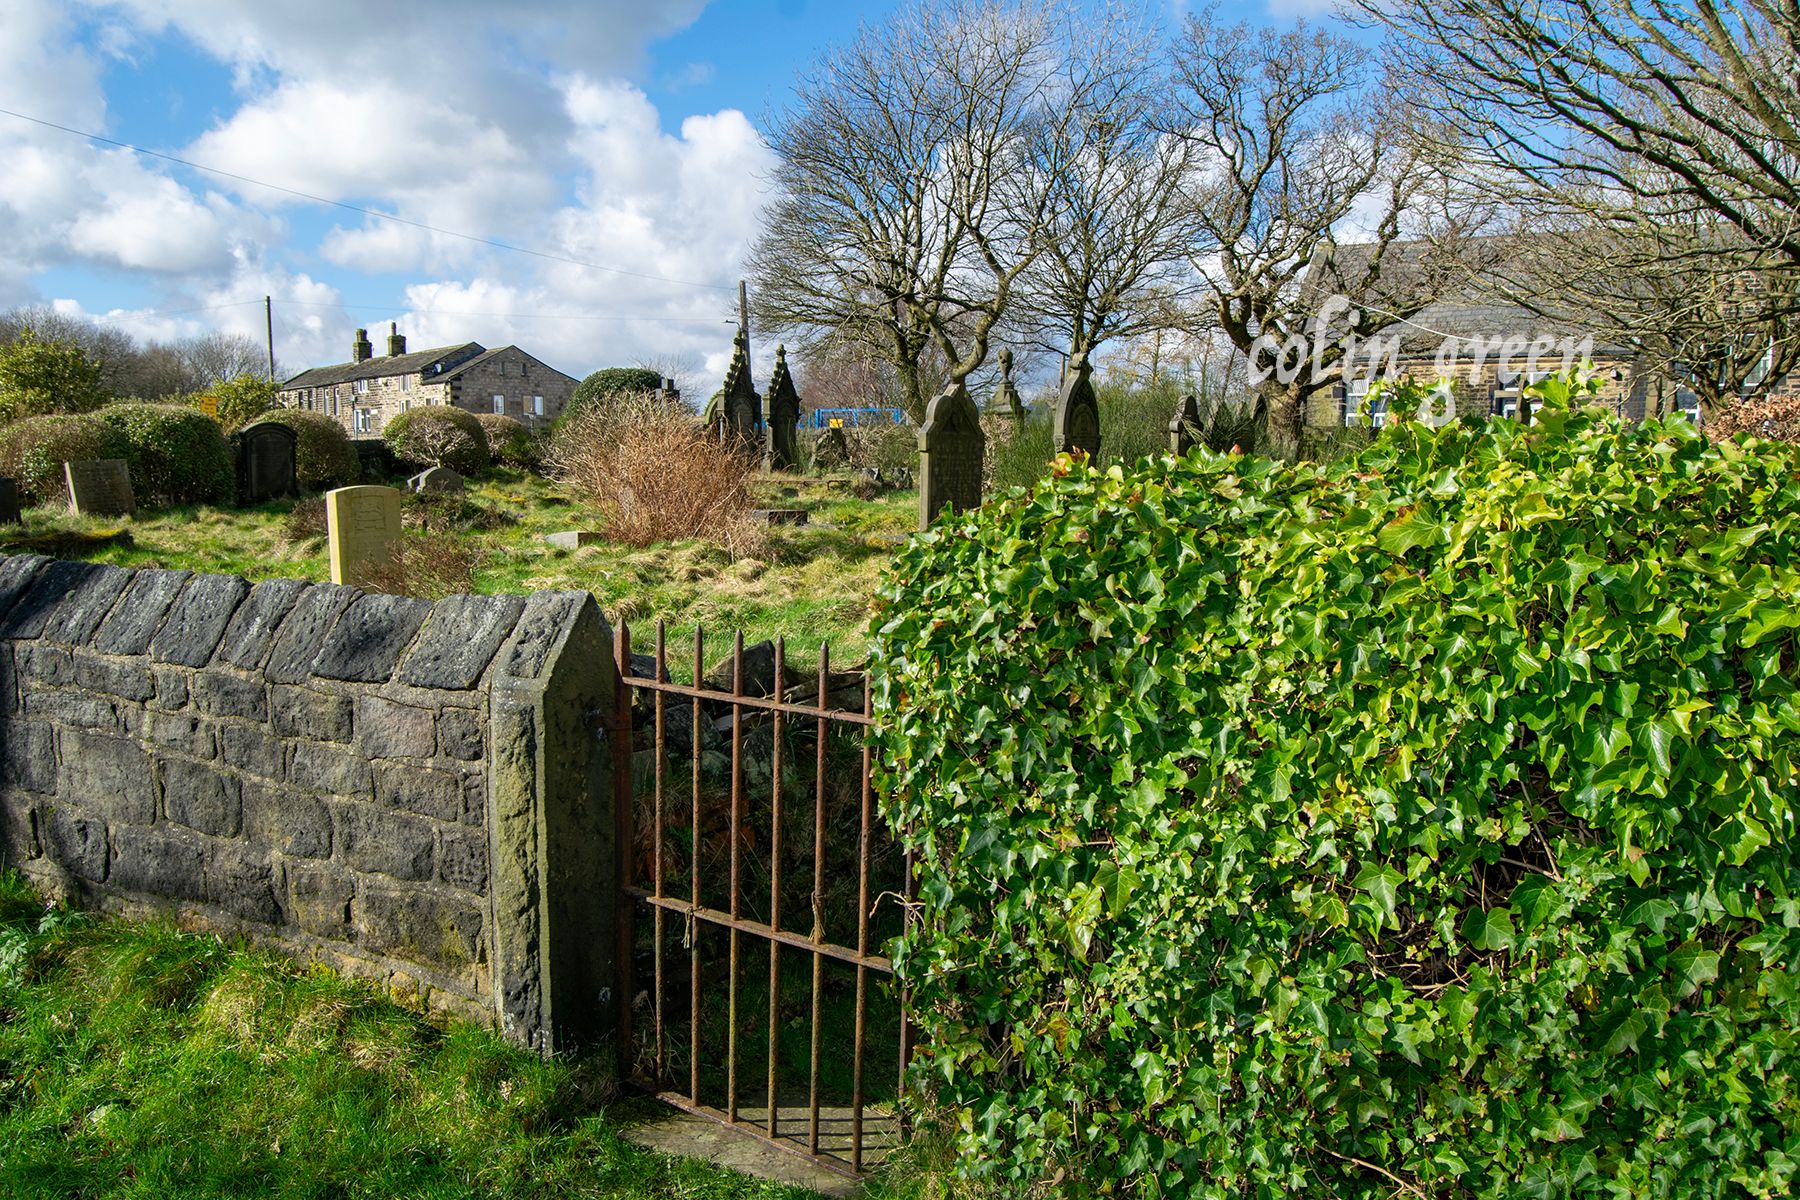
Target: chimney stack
(361,350)
(396,340)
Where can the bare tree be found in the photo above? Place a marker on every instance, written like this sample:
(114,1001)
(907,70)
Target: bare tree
(1650,106)
(217,357)
(1118,228)
(905,214)
(1297,147)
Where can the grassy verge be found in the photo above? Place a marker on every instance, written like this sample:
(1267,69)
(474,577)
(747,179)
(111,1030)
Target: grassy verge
(138,1061)
(809,584)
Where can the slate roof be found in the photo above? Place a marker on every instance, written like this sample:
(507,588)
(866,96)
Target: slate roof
(440,362)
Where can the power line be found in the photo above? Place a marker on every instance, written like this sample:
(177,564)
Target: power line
(458,312)
(367,212)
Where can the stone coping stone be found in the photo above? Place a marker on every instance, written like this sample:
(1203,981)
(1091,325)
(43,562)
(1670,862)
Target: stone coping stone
(545,616)
(303,632)
(50,586)
(198,620)
(253,627)
(16,574)
(459,640)
(75,622)
(133,622)
(366,643)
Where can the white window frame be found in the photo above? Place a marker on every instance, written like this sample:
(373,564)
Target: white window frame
(500,405)
(537,406)
(1687,403)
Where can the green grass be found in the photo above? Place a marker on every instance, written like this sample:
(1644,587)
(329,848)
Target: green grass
(140,1061)
(810,584)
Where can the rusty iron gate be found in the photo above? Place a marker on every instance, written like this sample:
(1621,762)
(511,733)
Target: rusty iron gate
(672,1050)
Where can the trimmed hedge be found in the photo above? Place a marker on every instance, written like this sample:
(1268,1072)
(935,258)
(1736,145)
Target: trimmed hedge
(177,454)
(510,442)
(439,435)
(323,455)
(34,449)
(1418,824)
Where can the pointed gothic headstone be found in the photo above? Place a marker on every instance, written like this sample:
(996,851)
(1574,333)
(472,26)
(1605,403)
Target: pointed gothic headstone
(740,408)
(784,416)
(1006,402)
(951,448)
(1076,427)
(1184,426)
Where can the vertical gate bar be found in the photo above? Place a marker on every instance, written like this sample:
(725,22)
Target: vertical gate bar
(624,840)
(908,895)
(818,900)
(775,882)
(693,927)
(737,729)
(662,763)
(862,946)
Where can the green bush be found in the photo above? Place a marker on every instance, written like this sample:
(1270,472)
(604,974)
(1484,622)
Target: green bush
(177,454)
(33,451)
(510,442)
(240,400)
(603,385)
(43,375)
(323,455)
(439,435)
(1421,824)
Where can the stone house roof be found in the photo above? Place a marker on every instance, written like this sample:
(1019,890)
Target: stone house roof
(442,362)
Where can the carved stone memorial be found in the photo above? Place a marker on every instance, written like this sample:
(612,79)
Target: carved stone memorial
(266,462)
(9,501)
(784,417)
(1184,426)
(951,448)
(1006,401)
(740,408)
(832,451)
(99,487)
(436,481)
(363,529)
(1076,425)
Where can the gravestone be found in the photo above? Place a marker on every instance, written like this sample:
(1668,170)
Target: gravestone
(575,539)
(951,448)
(1006,402)
(363,529)
(832,451)
(1076,428)
(266,462)
(740,408)
(436,481)
(1184,426)
(784,416)
(9,501)
(99,487)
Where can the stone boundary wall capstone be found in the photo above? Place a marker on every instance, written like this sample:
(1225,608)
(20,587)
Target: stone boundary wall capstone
(409,791)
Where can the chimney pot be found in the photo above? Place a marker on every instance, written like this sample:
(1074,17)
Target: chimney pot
(396,340)
(361,350)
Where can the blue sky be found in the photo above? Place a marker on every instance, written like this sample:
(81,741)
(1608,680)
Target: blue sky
(612,133)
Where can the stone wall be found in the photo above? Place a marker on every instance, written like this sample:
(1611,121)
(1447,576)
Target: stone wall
(518,376)
(408,791)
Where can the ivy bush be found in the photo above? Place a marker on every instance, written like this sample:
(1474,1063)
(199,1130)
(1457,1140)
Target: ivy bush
(439,435)
(323,455)
(510,442)
(177,454)
(34,449)
(1419,824)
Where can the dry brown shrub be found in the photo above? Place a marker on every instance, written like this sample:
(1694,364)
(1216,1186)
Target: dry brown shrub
(655,474)
(428,568)
(1774,417)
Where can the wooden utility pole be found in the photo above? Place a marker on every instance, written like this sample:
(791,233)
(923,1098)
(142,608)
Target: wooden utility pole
(269,326)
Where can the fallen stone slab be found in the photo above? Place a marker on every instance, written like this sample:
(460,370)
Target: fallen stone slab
(574,539)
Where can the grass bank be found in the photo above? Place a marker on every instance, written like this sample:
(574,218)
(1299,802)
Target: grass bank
(139,1061)
(809,584)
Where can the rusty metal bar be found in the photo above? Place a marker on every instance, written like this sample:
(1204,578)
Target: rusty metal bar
(831,1163)
(818,908)
(692,930)
(843,715)
(737,812)
(624,805)
(775,885)
(724,920)
(657,914)
(862,951)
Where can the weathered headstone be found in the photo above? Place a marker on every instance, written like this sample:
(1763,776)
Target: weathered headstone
(951,448)
(740,408)
(1184,426)
(784,416)
(363,528)
(436,481)
(574,539)
(9,501)
(832,451)
(1006,401)
(1076,424)
(99,487)
(266,462)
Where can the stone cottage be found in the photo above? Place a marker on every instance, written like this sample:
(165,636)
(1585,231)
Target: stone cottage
(367,392)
